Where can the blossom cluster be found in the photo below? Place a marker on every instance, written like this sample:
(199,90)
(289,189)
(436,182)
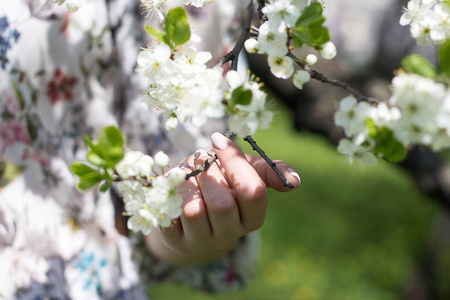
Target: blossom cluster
(149,205)
(428,20)
(275,38)
(180,84)
(418,112)
(248,115)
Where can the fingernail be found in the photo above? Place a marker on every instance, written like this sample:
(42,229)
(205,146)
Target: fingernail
(185,165)
(200,153)
(293,173)
(219,141)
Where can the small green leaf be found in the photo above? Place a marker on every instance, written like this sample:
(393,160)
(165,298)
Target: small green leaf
(309,15)
(105,186)
(444,56)
(89,180)
(96,159)
(391,149)
(110,137)
(372,128)
(159,34)
(177,27)
(241,96)
(115,155)
(88,142)
(309,29)
(417,64)
(80,169)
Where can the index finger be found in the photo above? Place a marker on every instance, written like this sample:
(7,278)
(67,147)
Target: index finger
(250,189)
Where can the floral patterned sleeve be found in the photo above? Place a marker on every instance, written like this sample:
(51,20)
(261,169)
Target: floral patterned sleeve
(65,74)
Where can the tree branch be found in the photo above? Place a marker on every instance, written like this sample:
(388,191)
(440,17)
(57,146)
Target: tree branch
(262,17)
(207,163)
(233,55)
(322,78)
(274,167)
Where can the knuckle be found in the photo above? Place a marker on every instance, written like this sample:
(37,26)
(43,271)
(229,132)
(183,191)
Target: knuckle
(255,193)
(221,206)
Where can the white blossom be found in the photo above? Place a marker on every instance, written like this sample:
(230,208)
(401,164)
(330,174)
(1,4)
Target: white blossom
(248,118)
(352,116)
(281,67)
(356,151)
(300,78)
(281,11)
(152,8)
(273,41)
(135,163)
(429,21)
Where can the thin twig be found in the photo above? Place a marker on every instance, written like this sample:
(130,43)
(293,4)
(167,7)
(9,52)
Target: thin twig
(143,181)
(207,163)
(322,78)
(262,17)
(273,165)
(233,55)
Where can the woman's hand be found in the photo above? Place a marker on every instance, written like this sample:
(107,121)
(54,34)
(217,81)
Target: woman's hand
(220,205)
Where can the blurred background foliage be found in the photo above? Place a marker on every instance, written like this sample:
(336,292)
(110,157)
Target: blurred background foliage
(349,232)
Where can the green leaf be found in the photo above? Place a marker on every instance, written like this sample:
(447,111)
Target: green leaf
(177,27)
(444,56)
(159,34)
(241,96)
(417,64)
(309,15)
(115,155)
(89,180)
(105,186)
(96,159)
(372,128)
(110,137)
(309,29)
(80,169)
(391,149)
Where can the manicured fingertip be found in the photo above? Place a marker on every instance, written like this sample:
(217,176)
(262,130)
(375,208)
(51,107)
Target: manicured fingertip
(200,153)
(295,174)
(219,141)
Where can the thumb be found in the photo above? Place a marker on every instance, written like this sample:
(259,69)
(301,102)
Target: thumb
(271,178)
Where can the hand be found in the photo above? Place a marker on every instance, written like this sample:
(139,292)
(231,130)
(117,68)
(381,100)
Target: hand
(220,205)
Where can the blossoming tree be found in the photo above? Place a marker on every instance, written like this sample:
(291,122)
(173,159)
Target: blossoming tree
(179,83)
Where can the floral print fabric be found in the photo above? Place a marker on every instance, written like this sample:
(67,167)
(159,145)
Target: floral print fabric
(64,75)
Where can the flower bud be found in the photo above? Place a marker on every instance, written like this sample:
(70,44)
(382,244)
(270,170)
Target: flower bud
(161,159)
(328,50)
(311,59)
(300,78)
(251,45)
(171,123)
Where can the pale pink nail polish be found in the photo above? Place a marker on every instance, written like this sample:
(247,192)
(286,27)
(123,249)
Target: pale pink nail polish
(219,141)
(293,173)
(200,153)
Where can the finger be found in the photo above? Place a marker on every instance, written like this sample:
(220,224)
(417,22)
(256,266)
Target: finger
(269,176)
(250,189)
(223,212)
(194,220)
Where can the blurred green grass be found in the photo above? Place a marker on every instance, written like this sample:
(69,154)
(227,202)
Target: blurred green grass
(347,233)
